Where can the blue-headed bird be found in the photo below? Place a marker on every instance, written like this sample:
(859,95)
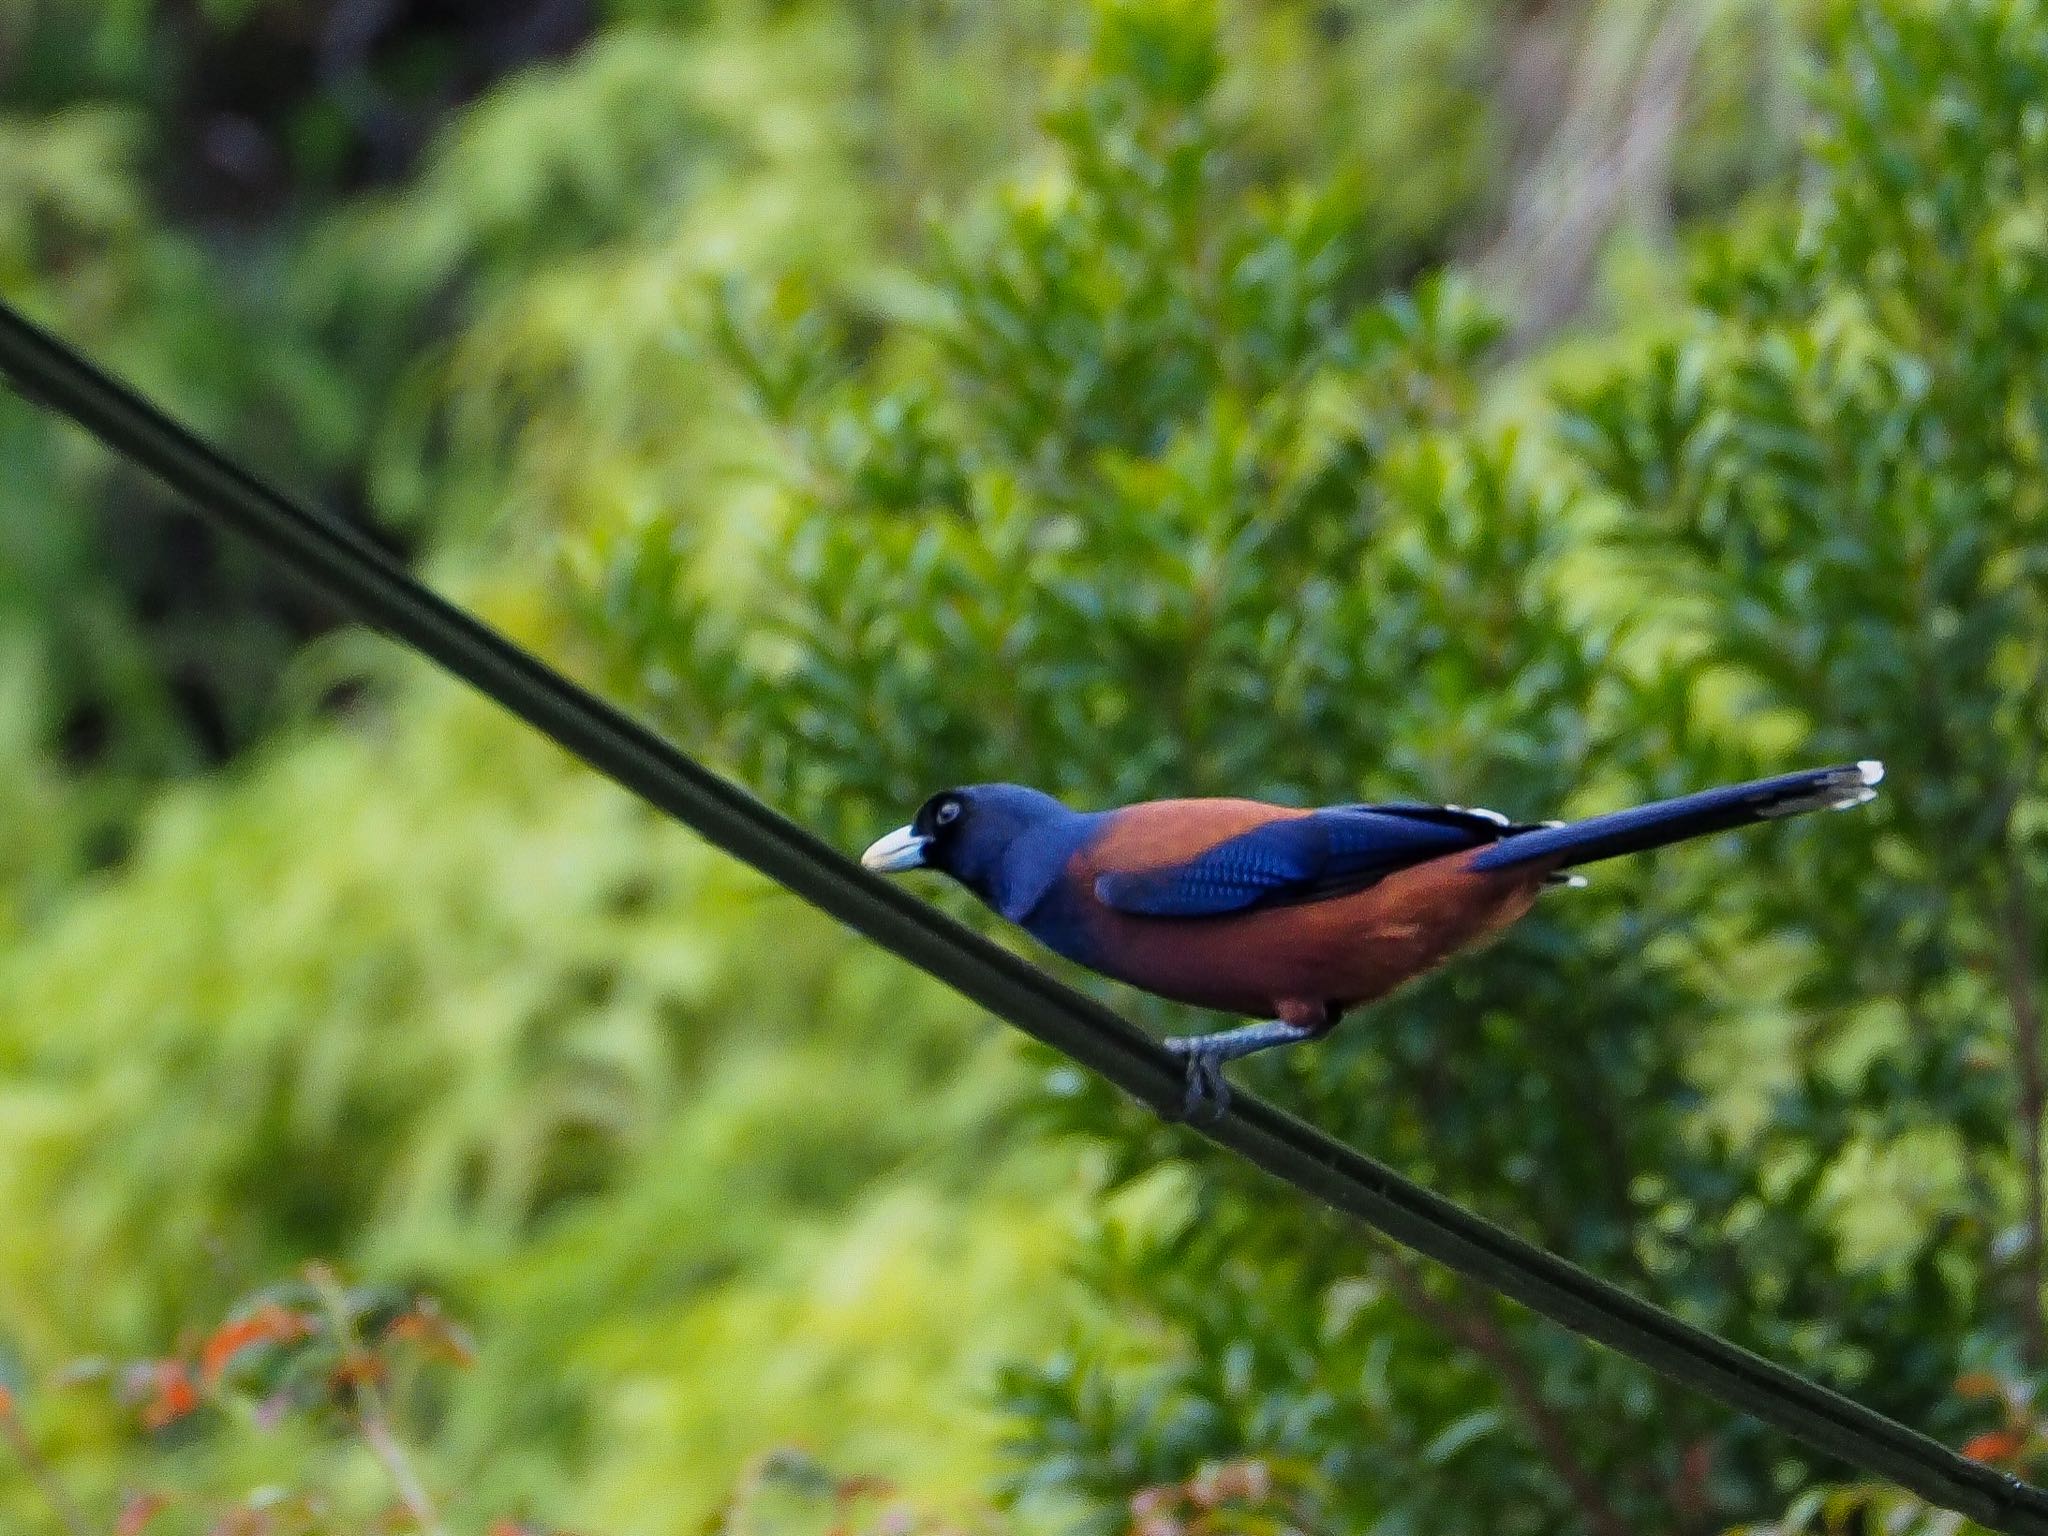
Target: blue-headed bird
(1290,916)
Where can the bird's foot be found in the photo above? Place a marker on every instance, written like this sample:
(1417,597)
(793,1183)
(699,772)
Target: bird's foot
(1207,1098)
(1208,1095)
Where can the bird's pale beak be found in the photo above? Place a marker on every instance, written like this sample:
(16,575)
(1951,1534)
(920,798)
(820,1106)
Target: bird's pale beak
(900,850)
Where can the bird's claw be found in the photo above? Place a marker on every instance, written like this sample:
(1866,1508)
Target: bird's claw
(1208,1096)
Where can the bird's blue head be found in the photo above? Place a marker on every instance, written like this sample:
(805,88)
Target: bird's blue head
(1002,841)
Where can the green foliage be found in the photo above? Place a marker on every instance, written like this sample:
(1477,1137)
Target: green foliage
(355,1362)
(1142,407)
(72,200)
(1153,494)
(294,222)
(690,1162)
(1837,473)
(346,1376)
(2014,1443)
(1149,466)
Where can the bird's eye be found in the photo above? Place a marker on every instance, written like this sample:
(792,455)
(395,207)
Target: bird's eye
(947,813)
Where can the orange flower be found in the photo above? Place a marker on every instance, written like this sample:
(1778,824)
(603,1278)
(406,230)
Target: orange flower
(1995,1445)
(268,1324)
(172,1394)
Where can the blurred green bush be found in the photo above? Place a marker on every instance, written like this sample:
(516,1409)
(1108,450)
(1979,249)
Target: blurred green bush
(691,1163)
(1155,495)
(885,396)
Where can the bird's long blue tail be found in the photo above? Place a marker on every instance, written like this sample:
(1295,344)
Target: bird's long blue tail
(1673,821)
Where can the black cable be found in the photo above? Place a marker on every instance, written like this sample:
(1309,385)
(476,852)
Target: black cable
(380,592)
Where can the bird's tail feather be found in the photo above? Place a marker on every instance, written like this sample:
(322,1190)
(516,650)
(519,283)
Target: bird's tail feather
(1673,821)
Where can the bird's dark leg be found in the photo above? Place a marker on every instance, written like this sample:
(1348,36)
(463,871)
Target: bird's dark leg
(1205,1055)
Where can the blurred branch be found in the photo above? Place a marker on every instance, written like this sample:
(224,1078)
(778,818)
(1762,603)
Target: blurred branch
(392,1456)
(360,1373)
(1472,1328)
(1611,151)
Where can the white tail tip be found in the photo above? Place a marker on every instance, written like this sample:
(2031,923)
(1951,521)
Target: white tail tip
(1863,789)
(1836,789)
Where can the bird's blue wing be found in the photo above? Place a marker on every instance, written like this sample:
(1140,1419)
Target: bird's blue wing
(1301,858)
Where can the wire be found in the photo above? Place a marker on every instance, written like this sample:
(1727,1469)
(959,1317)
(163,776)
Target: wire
(380,592)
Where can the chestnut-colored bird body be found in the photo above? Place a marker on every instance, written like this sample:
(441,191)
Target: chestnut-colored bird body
(1301,962)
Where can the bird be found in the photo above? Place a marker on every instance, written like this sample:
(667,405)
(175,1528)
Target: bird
(1288,916)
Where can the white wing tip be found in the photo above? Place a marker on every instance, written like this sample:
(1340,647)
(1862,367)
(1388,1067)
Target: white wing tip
(1871,771)
(1482,811)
